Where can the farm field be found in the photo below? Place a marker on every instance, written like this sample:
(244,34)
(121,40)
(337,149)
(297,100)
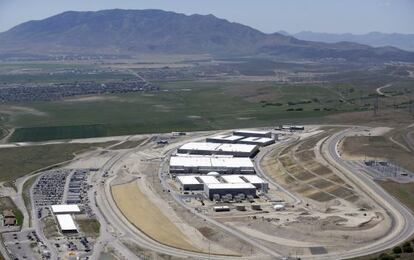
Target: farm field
(19,161)
(182,106)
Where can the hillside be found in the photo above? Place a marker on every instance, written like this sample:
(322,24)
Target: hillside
(154,31)
(376,39)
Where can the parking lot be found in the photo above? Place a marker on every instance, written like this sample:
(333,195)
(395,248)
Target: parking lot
(25,245)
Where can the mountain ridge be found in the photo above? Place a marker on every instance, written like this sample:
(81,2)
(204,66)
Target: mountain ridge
(375,39)
(118,31)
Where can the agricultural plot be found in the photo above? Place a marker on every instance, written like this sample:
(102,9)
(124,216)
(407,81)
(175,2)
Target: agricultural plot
(182,106)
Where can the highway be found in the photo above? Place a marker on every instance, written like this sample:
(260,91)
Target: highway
(402,218)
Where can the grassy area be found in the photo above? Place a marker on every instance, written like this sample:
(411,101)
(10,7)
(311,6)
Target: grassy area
(403,192)
(26,196)
(378,147)
(50,228)
(19,161)
(382,147)
(127,145)
(7,203)
(184,106)
(90,227)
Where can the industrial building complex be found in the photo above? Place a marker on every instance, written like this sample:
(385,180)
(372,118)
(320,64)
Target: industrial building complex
(236,150)
(206,164)
(222,165)
(198,182)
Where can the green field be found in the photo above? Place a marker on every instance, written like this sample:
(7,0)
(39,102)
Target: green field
(17,162)
(182,106)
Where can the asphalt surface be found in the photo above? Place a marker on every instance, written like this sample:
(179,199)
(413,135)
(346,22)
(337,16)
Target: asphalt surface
(402,218)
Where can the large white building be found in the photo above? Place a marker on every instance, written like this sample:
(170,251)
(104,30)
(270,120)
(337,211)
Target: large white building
(224,139)
(233,189)
(260,141)
(195,182)
(206,164)
(65,209)
(252,133)
(236,150)
(66,223)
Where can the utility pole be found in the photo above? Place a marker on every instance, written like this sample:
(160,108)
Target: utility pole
(376,105)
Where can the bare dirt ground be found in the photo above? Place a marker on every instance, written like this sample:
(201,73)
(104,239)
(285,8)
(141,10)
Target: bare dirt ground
(378,148)
(148,218)
(335,212)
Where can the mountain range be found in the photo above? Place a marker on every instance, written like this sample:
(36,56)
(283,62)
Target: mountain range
(376,39)
(132,32)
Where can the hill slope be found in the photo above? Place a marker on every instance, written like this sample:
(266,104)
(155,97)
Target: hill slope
(376,39)
(155,31)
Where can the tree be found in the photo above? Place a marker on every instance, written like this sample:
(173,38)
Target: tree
(397,250)
(407,248)
(385,256)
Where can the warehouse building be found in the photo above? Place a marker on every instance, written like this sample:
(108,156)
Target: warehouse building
(251,133)
(65,209)
(190,183)
(260,141)
(236,150)
(233,179)
(205,179)
(258,182)
(231,139)
(66,223)
(196,182)
(234,189)
(206,164)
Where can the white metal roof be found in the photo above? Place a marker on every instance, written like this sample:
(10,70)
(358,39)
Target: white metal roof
(252,132)
(257,139)
(230,186)
(227,137)
(65,208)
(232,162)
(188,180)
(205,161)
(208,179)
(214,147)
(254,179)
(66,222)
(233,179)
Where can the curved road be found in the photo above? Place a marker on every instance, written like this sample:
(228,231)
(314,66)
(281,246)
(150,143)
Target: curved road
(119,227)
(402,218)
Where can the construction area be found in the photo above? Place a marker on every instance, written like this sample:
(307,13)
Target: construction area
(266,194)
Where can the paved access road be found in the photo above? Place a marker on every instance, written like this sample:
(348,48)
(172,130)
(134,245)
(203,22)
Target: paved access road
(402,218)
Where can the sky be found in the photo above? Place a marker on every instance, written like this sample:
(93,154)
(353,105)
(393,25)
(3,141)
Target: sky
(332,16)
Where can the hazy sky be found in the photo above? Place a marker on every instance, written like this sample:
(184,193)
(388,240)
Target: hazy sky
(339,16)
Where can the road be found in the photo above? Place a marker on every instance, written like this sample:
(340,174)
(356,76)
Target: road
(379,90)
(219,225)
(264,151)
(401,216)
(409,139)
